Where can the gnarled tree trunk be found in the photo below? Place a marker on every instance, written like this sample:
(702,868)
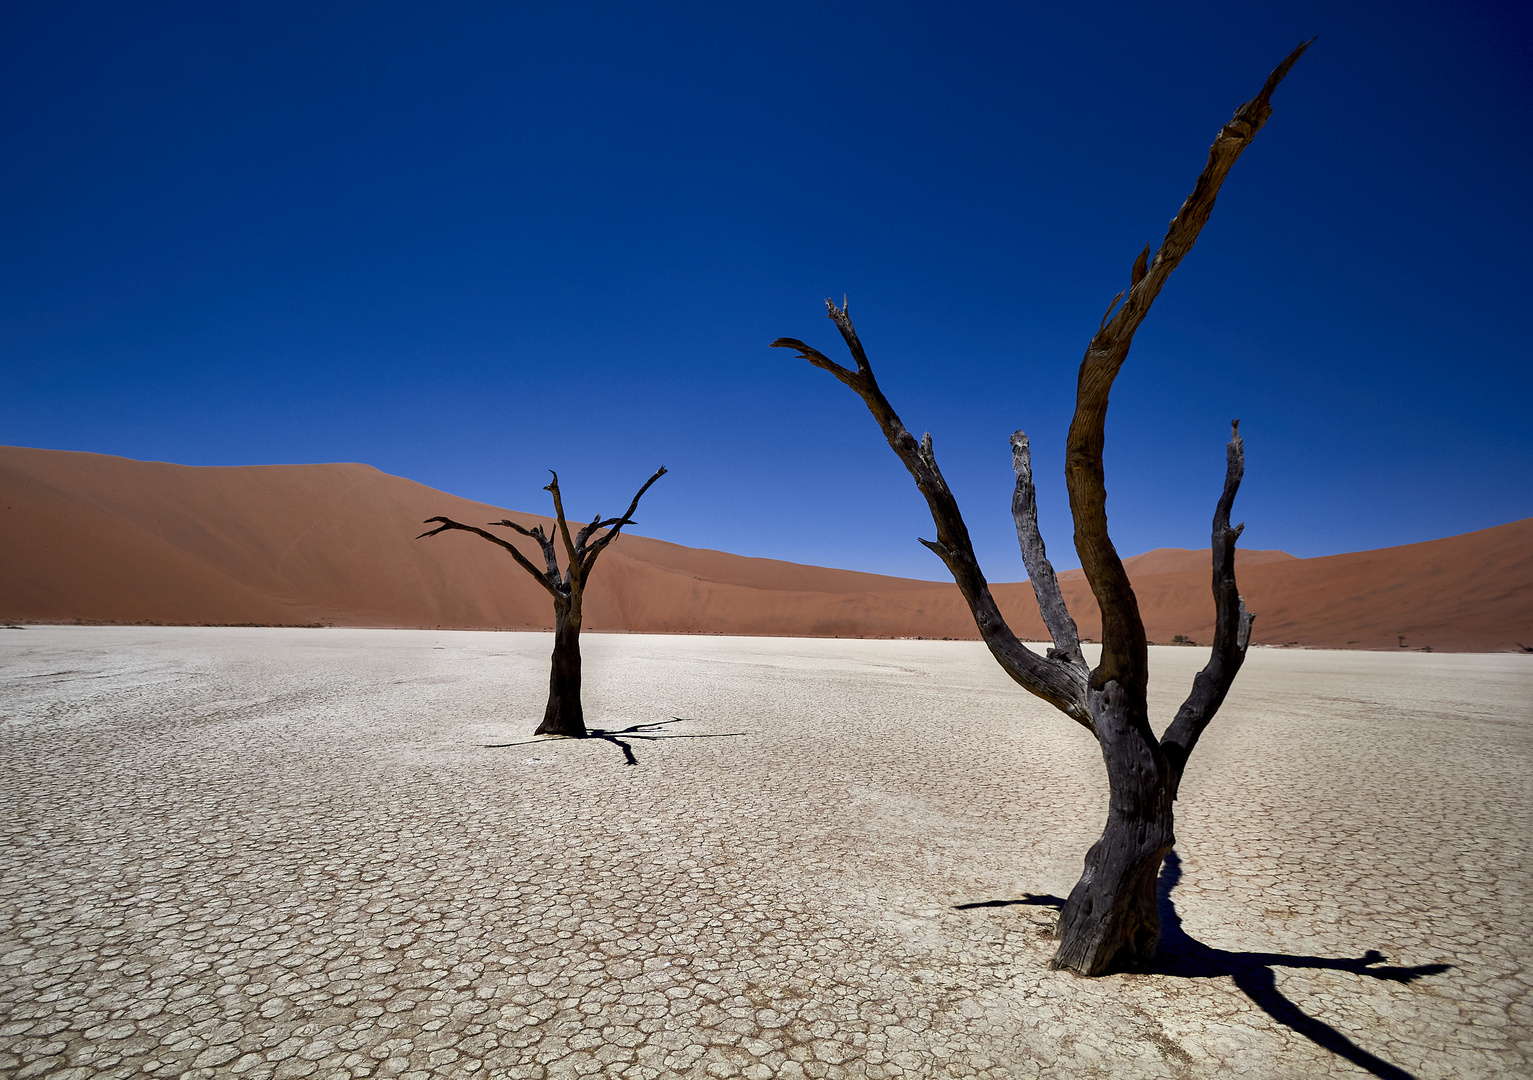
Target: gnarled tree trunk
(563,715)
(1110,916)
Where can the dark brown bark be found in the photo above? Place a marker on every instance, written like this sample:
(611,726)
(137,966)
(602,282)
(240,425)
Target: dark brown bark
(563,714)
(1123,640)
(1110,916)
(1232,627)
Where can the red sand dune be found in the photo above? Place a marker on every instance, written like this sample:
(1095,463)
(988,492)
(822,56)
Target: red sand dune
(105,539)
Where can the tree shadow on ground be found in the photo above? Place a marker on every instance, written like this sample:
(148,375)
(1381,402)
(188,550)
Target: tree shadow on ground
(1183,956)
(618,736)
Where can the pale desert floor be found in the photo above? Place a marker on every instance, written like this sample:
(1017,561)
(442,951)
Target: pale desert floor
(286,853)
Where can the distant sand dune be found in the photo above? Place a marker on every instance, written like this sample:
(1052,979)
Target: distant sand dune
(105,539)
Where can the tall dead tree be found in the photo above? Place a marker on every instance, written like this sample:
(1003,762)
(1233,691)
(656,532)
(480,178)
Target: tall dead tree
(1110,916)
(563,715)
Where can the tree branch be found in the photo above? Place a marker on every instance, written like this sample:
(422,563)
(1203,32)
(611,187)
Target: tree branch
(1124,650)
(1183,230)
(1232,626)
(1051,601)
(818,359)
(586,530)
(522,560)
(1057,682)
(589,555)
(537,533)
(564,529)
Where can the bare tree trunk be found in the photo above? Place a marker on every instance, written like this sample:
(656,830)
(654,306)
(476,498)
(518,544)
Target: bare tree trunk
(1111,915)
(564,715)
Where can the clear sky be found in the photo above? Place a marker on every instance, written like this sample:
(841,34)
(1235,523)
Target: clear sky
(469,242)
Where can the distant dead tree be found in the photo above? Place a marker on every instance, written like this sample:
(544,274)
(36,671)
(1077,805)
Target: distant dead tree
(563,715)
(1110,916)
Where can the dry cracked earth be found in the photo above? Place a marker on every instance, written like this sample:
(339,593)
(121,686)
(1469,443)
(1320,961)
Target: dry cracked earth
(327,853)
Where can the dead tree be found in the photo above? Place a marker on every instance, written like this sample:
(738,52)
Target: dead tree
(563,715)
(1110,916)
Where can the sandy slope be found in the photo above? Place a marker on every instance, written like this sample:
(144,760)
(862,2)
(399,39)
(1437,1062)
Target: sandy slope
(107,539)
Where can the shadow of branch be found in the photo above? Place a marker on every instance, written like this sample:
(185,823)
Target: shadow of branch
(1183,956)
(1030,899)
(618,736)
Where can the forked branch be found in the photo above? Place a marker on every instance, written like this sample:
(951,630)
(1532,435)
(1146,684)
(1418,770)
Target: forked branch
(614,526)
(1057,681)
(586,530)
(544,542)
(549,580)
(582,556)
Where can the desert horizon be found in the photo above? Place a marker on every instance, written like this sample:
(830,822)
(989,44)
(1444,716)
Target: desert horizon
(100,539)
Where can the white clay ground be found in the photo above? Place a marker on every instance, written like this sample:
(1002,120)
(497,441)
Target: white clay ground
(286,853)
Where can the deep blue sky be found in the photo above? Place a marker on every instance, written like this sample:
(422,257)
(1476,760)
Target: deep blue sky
(469,242)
